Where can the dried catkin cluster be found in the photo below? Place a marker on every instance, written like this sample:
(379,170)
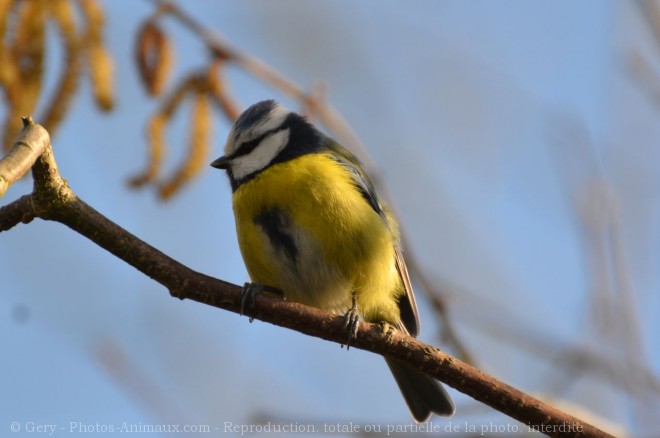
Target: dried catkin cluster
(154,56)
(25,39)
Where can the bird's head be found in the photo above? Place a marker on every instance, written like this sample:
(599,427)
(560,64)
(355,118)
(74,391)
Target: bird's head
(262,134)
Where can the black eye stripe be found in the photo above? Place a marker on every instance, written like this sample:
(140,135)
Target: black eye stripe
(249,146)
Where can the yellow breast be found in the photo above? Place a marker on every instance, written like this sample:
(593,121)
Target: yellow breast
(342,246)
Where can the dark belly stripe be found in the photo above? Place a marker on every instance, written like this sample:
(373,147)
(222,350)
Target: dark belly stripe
(276,224)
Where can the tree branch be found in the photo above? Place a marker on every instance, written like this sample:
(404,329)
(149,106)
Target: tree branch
(52,199)
(29,146)
(18,211)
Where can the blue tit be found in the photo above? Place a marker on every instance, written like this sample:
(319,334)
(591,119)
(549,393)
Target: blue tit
(310,225)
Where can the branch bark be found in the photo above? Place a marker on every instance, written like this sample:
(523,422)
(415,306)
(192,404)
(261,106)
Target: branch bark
(26,149)
(16,212)
(53,199)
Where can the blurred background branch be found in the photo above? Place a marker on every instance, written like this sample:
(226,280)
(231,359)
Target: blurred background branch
(529,228)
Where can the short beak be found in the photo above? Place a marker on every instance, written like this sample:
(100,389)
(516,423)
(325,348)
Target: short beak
(221,163)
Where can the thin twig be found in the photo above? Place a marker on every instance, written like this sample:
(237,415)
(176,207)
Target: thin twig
(220,47)
(22,155)
(437,300)
(16,212)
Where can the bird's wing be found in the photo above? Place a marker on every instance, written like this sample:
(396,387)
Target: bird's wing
(362,182)
(407,303)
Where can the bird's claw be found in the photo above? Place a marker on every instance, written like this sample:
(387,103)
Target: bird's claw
(351,322)
(249,291)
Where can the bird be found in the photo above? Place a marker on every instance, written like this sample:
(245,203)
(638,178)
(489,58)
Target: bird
(311,227)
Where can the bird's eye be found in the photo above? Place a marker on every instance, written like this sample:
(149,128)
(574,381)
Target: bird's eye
(250,145)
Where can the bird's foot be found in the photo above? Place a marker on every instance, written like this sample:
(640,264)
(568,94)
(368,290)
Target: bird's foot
(352,322)
(251,290)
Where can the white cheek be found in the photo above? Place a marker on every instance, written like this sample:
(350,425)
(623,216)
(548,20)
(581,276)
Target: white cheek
(261,156)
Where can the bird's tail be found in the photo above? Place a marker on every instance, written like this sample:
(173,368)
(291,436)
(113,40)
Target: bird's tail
(423,394)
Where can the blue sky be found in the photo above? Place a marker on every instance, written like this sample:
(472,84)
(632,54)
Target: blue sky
(520,151)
